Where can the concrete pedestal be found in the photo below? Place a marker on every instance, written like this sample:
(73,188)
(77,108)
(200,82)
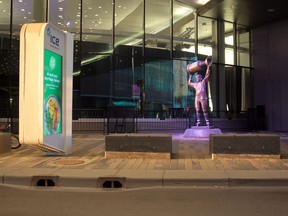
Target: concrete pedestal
(201,131)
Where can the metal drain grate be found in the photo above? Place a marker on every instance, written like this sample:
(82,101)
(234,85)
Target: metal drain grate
(112,182)
(69,162)
(45,181)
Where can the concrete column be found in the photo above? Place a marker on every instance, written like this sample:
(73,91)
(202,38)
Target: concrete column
(218,51)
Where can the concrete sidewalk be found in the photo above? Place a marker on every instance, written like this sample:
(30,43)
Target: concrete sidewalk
(191,165)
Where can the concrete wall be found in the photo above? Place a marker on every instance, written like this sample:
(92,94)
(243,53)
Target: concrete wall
(270,59)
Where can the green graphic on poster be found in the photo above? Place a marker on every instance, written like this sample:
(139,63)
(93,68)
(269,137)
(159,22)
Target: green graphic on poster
(52,93)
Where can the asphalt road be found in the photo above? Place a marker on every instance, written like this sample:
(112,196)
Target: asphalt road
(196,201)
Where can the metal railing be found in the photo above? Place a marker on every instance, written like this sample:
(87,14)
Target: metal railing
(128,120)
(89,120)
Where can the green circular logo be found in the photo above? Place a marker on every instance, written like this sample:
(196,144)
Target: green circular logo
(52,63)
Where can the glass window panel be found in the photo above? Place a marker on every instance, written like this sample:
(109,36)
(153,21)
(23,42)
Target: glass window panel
(157,26)
(9,58)
(243,48)
(66,16)
(4,40)
(229,37)
(229,43)
(29,11)
(231,88)
(158,86)
(246,88)
(229,56)
(6,66)
(238,83)
(183,30)
(5,19)
(128,70)
(182,96)
(229,40)
(97,29)
(205,49)
(128,23)
(25,12)
(95,78)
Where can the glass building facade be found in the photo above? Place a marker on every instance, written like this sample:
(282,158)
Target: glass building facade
(134,53)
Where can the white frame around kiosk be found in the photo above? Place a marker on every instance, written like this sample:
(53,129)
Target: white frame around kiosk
(34,39)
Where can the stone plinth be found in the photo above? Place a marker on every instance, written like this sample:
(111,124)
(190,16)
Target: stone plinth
(244,146)
(147,146)
(201,131)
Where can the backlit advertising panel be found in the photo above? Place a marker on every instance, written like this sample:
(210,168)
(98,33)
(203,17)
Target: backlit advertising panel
(52,93)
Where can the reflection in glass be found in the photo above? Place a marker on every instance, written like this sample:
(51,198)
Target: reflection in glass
(183,30)
(109,59)
(66,16)
(97,27)
(129,23)
(157,25)
(205,36)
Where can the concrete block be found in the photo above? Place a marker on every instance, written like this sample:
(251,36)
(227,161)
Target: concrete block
(244,144)
(138,146)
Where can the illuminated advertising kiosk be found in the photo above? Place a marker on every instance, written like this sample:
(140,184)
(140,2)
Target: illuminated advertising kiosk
(45,88)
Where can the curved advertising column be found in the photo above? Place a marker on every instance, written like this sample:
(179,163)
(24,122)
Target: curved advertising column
(45,106)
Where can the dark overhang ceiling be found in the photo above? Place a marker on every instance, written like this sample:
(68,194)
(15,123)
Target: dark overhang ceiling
(250,13)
